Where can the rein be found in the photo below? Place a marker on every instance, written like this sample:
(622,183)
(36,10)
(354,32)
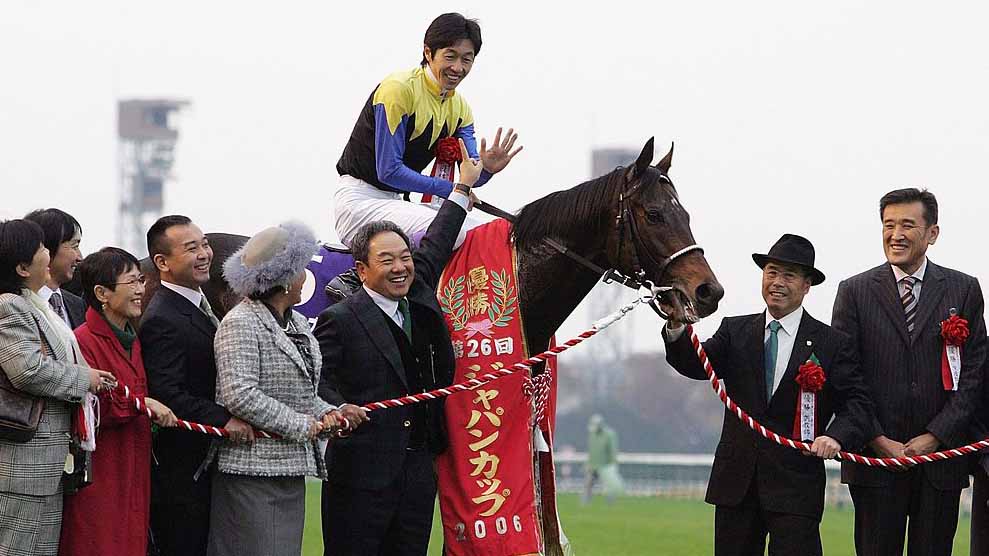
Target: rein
(624,223)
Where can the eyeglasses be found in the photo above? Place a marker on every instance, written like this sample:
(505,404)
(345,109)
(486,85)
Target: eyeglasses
(133,282)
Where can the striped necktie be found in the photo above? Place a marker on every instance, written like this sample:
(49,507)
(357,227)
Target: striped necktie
(909,301)
(56,304)
(208,311)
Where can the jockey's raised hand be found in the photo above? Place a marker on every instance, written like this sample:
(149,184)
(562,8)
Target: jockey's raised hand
(501,153)
(470,169)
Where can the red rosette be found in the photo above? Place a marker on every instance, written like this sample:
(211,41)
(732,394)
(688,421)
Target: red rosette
(448,150)
(810,377)
(954,330)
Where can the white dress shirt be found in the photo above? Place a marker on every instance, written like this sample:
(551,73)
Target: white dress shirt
(194,296)
(388,306)
(899,275)
(786,337)
(46,293)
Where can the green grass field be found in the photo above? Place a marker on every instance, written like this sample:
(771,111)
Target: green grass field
(639,526)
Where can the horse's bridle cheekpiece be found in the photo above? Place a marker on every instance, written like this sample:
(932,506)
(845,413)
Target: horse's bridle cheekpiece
(624,221)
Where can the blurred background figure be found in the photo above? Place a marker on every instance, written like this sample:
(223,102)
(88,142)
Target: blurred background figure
(602,460)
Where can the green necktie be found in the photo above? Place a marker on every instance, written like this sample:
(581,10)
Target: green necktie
(403,308)
(771,347)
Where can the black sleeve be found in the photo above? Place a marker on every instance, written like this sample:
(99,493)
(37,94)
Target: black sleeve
(682,356)
(165,361)
(331,346)
(845,319)
(854,413)
(436,246)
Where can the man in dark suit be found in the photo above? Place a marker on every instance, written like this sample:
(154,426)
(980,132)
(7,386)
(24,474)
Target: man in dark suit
(389,339)
(893,314)
(176,335)
(62,237)
(757,486)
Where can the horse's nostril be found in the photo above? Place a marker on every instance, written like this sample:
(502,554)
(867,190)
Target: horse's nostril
(709,293)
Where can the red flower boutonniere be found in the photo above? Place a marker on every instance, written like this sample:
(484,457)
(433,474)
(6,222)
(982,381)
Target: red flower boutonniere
(810,376)
(954,331)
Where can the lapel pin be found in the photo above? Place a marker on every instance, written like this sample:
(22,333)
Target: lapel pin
(809,343)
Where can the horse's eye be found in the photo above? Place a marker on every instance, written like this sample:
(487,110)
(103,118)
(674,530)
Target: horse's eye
(654,216)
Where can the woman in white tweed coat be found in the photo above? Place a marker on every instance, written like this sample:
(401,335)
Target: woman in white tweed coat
(37,354)
(268,366)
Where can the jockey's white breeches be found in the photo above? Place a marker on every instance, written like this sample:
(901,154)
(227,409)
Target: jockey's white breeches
(357,202)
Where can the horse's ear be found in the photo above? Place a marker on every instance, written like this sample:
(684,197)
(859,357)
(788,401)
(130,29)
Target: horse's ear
(641,163)
(664,165)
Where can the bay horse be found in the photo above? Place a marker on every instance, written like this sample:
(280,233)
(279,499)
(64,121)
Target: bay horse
(630,220)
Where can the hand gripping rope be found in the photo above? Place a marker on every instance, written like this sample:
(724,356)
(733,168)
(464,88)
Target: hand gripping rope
(537,386)
(906,461)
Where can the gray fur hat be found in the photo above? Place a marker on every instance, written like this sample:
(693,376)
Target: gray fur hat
(272,257)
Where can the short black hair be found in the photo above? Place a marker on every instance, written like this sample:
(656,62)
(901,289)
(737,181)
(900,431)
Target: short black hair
(157,243)
(19,242)
(447,29)
(361,244)
(103,268)
(911,195)
(57,225)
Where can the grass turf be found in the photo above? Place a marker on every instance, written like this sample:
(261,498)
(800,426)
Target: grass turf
(637,526)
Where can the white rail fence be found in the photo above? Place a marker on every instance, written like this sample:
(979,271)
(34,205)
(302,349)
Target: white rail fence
(682,476)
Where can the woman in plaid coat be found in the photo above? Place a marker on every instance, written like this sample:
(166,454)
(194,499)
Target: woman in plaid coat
(268,366)
(39,356)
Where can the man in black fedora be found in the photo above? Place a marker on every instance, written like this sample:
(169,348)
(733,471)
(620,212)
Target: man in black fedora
(792,373)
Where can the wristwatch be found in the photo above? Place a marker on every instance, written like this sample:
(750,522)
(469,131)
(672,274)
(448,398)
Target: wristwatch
(463,188)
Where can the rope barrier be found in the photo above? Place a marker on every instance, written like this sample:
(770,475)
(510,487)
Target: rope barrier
(906,461)
(540,386)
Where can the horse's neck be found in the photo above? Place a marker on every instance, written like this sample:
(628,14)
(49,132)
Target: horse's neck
(551,286)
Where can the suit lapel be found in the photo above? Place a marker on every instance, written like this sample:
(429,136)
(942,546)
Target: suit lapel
(931,292)
(373,320)
(803,346)
(197,318)
(756,342)
(280,337)
(884,288)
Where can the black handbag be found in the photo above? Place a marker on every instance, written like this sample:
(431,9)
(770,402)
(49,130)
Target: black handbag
(20,412)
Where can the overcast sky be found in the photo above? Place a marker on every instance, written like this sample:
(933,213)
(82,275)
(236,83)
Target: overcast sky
(787,116)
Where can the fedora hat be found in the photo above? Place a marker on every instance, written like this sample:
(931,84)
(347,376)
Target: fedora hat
(795,250)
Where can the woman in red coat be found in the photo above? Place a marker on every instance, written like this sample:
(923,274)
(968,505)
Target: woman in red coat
(110,517)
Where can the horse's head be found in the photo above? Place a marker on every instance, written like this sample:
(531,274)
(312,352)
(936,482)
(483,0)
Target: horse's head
(653,240)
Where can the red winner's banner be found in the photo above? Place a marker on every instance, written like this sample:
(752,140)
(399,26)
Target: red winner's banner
(486,478)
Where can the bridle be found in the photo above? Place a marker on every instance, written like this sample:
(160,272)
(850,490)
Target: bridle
(625,226)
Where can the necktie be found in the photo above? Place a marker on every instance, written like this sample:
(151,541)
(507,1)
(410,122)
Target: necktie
(772,344)
(909,301)
(208,311)
(56,302)
(403,309)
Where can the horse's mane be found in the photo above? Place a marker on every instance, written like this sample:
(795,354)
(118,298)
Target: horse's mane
(576,212)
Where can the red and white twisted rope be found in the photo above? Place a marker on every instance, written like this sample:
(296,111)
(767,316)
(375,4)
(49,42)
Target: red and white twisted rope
(541,385)
(906,461)
(188,425)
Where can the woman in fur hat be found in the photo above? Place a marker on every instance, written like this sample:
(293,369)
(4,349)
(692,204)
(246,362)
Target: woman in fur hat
(268,366)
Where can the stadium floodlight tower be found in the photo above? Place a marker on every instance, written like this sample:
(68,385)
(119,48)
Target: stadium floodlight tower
(146,154)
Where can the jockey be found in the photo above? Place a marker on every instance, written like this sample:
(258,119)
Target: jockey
(396,134)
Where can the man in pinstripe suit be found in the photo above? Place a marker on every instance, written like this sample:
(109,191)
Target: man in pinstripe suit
(893,314)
